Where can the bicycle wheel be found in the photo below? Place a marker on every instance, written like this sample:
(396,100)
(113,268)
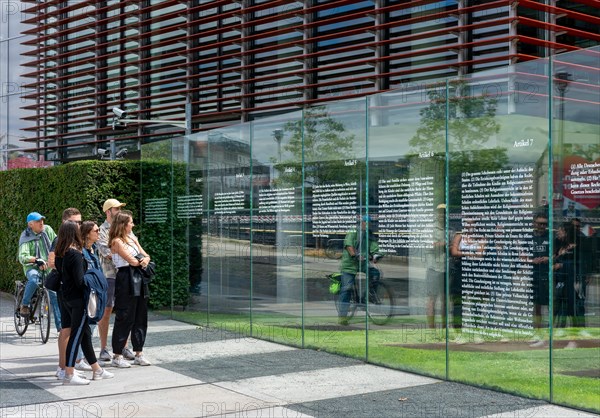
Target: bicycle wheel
(351,304)
(381,304)
(44,315)
(21,322)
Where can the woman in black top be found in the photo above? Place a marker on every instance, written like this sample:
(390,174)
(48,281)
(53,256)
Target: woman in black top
(70,263)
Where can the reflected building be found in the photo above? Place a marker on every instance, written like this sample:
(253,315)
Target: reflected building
(63,66)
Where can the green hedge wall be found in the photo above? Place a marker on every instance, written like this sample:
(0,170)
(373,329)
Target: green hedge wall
(85,185)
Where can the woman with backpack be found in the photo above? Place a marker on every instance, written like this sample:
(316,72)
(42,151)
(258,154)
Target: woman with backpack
(70,263)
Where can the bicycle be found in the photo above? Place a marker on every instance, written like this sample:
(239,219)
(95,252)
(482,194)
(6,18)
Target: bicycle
(39,312)
(380,304)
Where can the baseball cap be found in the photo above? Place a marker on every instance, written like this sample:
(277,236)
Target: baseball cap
(111,203)
(366,218)
(35,216)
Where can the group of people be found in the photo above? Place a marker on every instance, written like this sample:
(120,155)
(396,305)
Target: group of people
(111,248)
(572,261)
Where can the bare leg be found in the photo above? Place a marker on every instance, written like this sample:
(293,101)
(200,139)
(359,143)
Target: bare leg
(63,339)
(103,326)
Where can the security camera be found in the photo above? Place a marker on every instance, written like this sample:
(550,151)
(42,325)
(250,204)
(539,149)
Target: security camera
(122,153)
(103,153)
(120,113)
(117,124)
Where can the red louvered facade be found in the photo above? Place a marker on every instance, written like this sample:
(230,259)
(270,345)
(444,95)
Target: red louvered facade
(235,61)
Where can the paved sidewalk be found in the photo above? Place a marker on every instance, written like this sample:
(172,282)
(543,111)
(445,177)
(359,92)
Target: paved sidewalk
(206,372)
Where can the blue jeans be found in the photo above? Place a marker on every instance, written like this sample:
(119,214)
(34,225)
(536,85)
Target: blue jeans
(34,277)
(347,283)
(55,309)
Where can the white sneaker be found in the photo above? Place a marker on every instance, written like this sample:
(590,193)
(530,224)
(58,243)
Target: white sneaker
(560,332)
(128,354)
(83,365)
(585,334)
(102,374)
(537,344)
(105,355)
(60,373)
(120,362)
(141,361)
(75,379)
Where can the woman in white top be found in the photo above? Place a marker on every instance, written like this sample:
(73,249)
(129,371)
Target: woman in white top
(131,293)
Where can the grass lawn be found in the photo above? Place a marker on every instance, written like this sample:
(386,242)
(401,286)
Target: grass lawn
(514,368)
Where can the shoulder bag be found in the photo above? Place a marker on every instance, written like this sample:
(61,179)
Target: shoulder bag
(53,281)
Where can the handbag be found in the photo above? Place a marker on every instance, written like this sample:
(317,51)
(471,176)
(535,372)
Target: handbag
(92,306)
(136,281)
(149,271)
(53,281)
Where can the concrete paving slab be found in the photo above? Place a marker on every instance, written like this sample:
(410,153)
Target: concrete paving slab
(34,367)
(51,409)
(545,411)
(325,383)
(273,412)
(441,399)
(189,401)
(136,379)
(16,392)
(211,350)
(261,364)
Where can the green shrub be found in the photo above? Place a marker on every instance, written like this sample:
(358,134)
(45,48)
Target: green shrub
(85,185)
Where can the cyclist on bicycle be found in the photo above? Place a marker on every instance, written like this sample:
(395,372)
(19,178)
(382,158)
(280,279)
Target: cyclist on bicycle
(34,245)
(360,247)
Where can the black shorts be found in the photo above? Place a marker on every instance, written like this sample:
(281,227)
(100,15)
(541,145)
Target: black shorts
(65,313)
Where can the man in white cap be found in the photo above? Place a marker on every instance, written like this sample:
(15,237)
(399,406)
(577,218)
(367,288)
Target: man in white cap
(34,246)
(110,208)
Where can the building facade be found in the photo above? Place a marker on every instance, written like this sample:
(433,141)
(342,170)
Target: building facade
(222,62)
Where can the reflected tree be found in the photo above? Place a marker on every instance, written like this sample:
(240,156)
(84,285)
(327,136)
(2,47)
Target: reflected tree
(325,145)
(470,127)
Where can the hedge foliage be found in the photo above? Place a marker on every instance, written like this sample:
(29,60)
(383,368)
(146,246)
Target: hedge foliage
(86,185)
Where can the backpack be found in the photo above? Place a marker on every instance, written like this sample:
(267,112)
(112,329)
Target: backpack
(96,289)
(335,283)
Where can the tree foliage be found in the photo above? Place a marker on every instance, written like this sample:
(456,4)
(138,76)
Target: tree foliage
(324,145)
(468,122)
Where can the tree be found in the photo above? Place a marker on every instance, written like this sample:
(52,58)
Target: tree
(471,123)
(325,146)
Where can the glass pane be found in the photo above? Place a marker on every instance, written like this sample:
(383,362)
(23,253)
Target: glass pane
(407,148)
(188,166)
(191,226)
(155,220)
(333,141)
(576,218)
(277,229)
(497,187)
(228,227)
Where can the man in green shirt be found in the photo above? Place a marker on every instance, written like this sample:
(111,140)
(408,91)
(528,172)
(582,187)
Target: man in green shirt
(34,245)
(360,247)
